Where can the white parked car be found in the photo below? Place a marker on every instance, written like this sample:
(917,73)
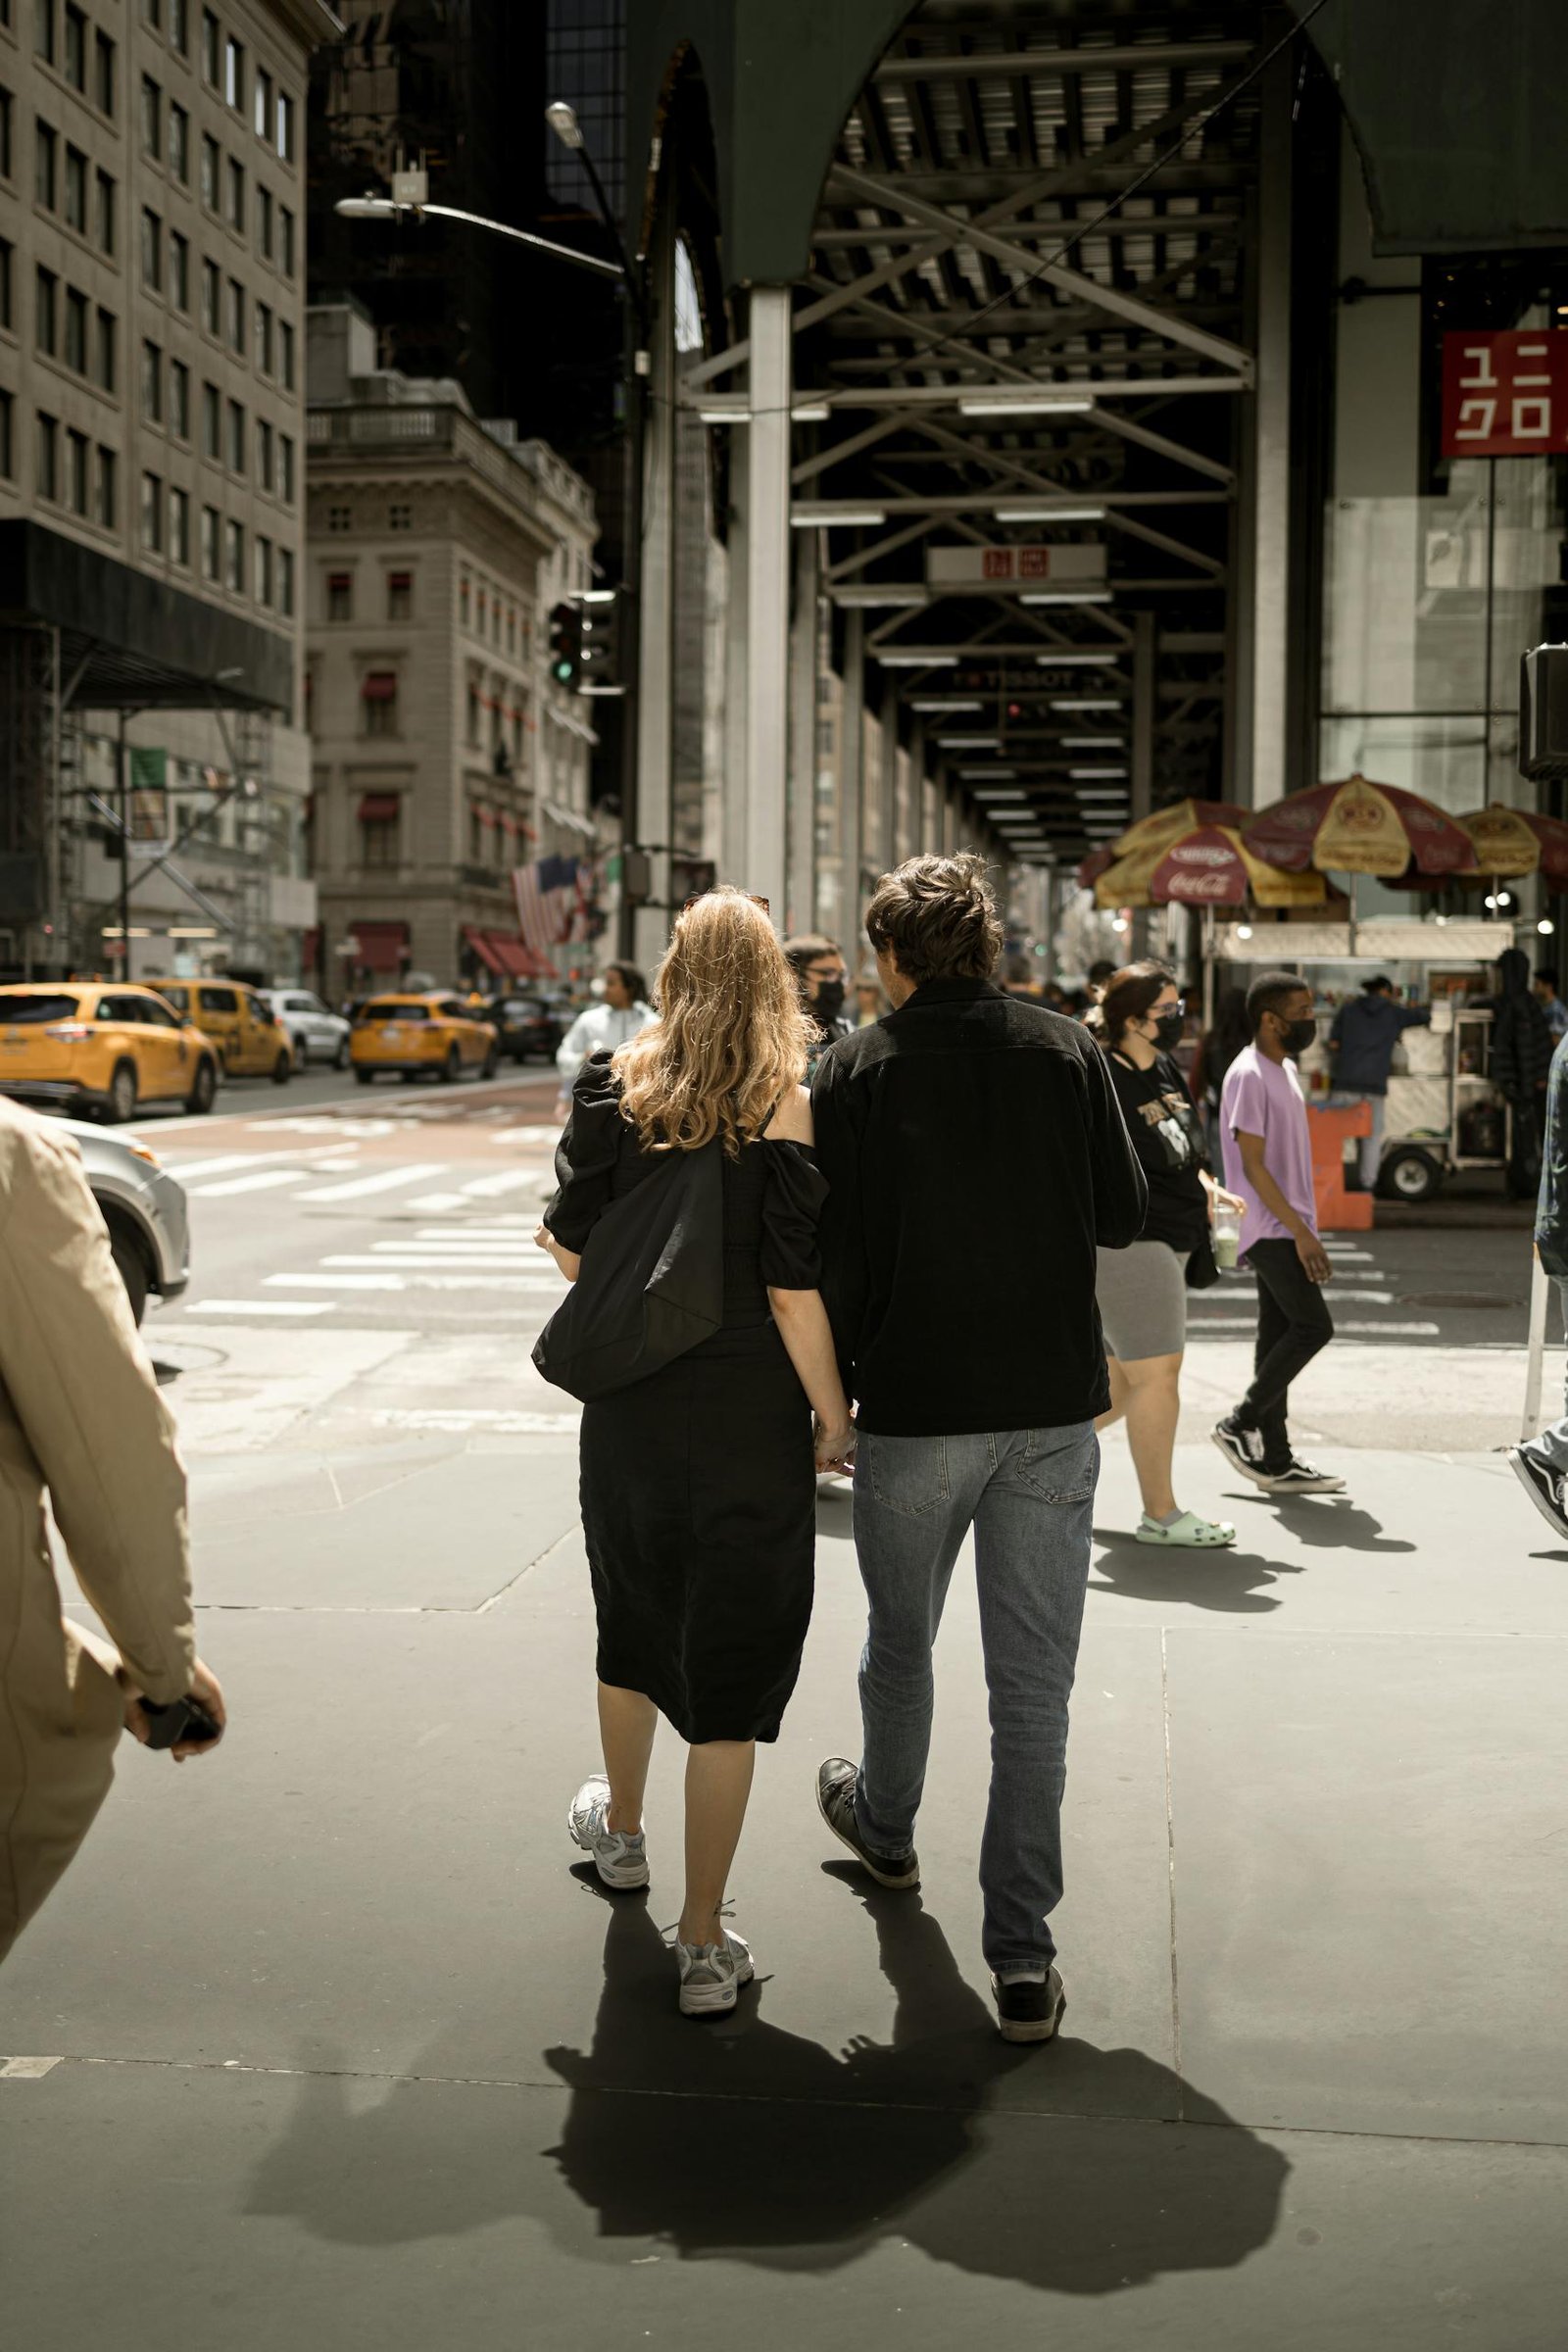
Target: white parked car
(317,1034)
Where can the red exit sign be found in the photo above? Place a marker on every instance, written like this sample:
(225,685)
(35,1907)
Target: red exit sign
(1504,394)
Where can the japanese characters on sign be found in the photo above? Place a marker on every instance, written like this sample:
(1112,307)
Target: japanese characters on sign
(1504,393)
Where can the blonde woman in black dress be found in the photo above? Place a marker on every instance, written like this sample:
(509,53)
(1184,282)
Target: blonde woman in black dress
(699,1485)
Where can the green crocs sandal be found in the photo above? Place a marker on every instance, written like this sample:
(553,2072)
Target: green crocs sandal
(1188,1533)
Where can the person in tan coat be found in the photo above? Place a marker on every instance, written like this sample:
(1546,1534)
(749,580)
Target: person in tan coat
(81,1423)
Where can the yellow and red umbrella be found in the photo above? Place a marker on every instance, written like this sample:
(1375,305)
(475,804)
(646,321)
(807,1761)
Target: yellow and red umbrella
(1511,842)
(1356,827)
(1207,866)
(1169,824)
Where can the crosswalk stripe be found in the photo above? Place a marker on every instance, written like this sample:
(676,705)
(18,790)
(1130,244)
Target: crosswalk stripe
(1355,1329)
(506,1180)
(333,1282)
(261,1180)
(389,1180)
(441,1274)
(240,1307)
(185,1169)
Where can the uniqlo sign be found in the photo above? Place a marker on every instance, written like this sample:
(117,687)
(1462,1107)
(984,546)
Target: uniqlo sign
(1504,395)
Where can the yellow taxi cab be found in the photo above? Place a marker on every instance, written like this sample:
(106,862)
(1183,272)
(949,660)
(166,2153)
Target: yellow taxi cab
(248,1034)
(102,1045)
(433,1034)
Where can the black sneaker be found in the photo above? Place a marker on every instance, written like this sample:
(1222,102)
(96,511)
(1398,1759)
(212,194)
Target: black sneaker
(835,1799)
(1027,2011)
(1241,1447)
(1544,1488)
(1301,1477)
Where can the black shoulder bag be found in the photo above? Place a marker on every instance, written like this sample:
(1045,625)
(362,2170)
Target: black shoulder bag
(652,1281)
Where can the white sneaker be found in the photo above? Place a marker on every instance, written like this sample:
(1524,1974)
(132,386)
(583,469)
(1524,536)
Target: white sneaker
(711,1973)
(621,1858)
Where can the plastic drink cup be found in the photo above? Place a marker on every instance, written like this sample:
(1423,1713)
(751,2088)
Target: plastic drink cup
(1227,1239)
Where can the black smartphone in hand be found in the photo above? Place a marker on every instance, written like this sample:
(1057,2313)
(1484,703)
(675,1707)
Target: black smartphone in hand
(182,1719)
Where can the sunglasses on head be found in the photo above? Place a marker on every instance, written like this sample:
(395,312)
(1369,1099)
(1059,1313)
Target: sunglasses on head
(712,894)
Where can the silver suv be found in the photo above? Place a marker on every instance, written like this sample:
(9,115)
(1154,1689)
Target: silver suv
(144,1209)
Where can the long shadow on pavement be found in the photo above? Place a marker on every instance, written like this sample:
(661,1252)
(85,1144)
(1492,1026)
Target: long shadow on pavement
(1231,1581)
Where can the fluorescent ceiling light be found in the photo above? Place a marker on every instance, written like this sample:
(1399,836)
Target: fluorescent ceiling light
(999,402)
(1109,702)
(1041,512)
(970,742)
(996,796)
(993,775)
(724,416)
(811,412)
(1093,775)
(896,593)
(819,518)
(1065,655)
(1066,596)
(944,701)
(915,661)
(1093,743)
(1115,794)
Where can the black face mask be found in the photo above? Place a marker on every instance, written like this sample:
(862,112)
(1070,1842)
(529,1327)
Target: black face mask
(828,1003)
(1168,1031)
(1298,1035)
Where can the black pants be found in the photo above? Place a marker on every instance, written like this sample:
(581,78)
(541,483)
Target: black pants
(1293,1323)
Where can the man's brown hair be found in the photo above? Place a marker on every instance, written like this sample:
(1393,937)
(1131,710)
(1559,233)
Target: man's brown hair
(937,918)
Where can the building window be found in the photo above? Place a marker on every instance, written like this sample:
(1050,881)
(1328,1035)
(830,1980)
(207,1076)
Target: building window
(236,437)
(152,118)
(151,515)
(210,47)
(153,13)
(236,195)
(180,26)
(475,720)
(285,469)
(285,245)
(180,399)
(48,456)
(400,518)
(234,72)
(399,596)
(46,164)
(285,582)
(179,271)
(104,72)
(285,354)
(105,488)
(77,190)
(77,452)
(180,143)
(105,369)
(76,49)
(152,382)
(8,438)
(212,424)
(46,309)
(76,331)
(263,222)
(340,596)
(264,105)
(265,469)
(211,297)
(234,556)
(210,544)
(264,338)
(378,825)
(7,250)
(263,571)
(379,701)
(152,251)
(44,30)
(236,317)
(208,179)
(285,127)
(104,214)
(179,525)
(6,124)
(339,518)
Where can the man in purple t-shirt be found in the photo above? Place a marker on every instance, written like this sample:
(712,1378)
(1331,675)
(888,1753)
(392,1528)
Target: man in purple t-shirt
(1268,1159)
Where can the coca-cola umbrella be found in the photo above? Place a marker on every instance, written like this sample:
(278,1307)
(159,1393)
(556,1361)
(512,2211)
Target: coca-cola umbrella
(1208,865)
(1169,824)
(1356,827)
(1513,842)
(1095,864)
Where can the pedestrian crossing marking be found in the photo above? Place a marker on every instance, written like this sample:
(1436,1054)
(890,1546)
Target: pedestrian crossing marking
(241,1307)
(386,1180)
(261,1180)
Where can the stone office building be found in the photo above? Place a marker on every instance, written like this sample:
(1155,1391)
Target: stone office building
(152,425)
(444,758)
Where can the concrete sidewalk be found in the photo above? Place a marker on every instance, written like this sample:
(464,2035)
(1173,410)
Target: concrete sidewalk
(351,2055)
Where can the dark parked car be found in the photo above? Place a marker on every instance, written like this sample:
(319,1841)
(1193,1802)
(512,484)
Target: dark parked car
(529,1029)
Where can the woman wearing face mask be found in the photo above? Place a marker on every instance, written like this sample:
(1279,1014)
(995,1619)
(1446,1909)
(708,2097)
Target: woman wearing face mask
(1142,1292)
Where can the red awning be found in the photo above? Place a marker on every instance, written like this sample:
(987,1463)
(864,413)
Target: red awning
(379,686)
(484,948)
(520,962)
(379,946)
(378,809)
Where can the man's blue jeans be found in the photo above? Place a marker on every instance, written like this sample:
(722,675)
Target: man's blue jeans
(1029,1496)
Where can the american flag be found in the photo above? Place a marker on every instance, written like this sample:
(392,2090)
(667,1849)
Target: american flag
(547,900)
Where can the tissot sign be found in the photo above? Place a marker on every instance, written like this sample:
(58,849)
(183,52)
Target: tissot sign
(1504,394)
(1006,567)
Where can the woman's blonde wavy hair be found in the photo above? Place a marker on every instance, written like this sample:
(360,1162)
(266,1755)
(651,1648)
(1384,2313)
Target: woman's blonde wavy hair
(731,1038)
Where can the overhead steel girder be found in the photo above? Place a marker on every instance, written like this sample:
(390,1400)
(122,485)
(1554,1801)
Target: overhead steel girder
(889,193)
(1013,64)
(978,501)
(1004,389)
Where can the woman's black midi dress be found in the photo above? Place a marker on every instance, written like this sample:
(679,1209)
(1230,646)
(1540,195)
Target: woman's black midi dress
(699,1485)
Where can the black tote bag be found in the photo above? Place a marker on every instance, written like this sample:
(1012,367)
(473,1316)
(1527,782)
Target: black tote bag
(652,1281)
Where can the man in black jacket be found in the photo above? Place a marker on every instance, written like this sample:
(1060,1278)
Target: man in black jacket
(976,1157)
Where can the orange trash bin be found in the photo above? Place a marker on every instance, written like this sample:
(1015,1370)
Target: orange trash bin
(1338,1211)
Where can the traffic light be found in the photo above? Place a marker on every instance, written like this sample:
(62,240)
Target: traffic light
(565,646)
(600,642)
